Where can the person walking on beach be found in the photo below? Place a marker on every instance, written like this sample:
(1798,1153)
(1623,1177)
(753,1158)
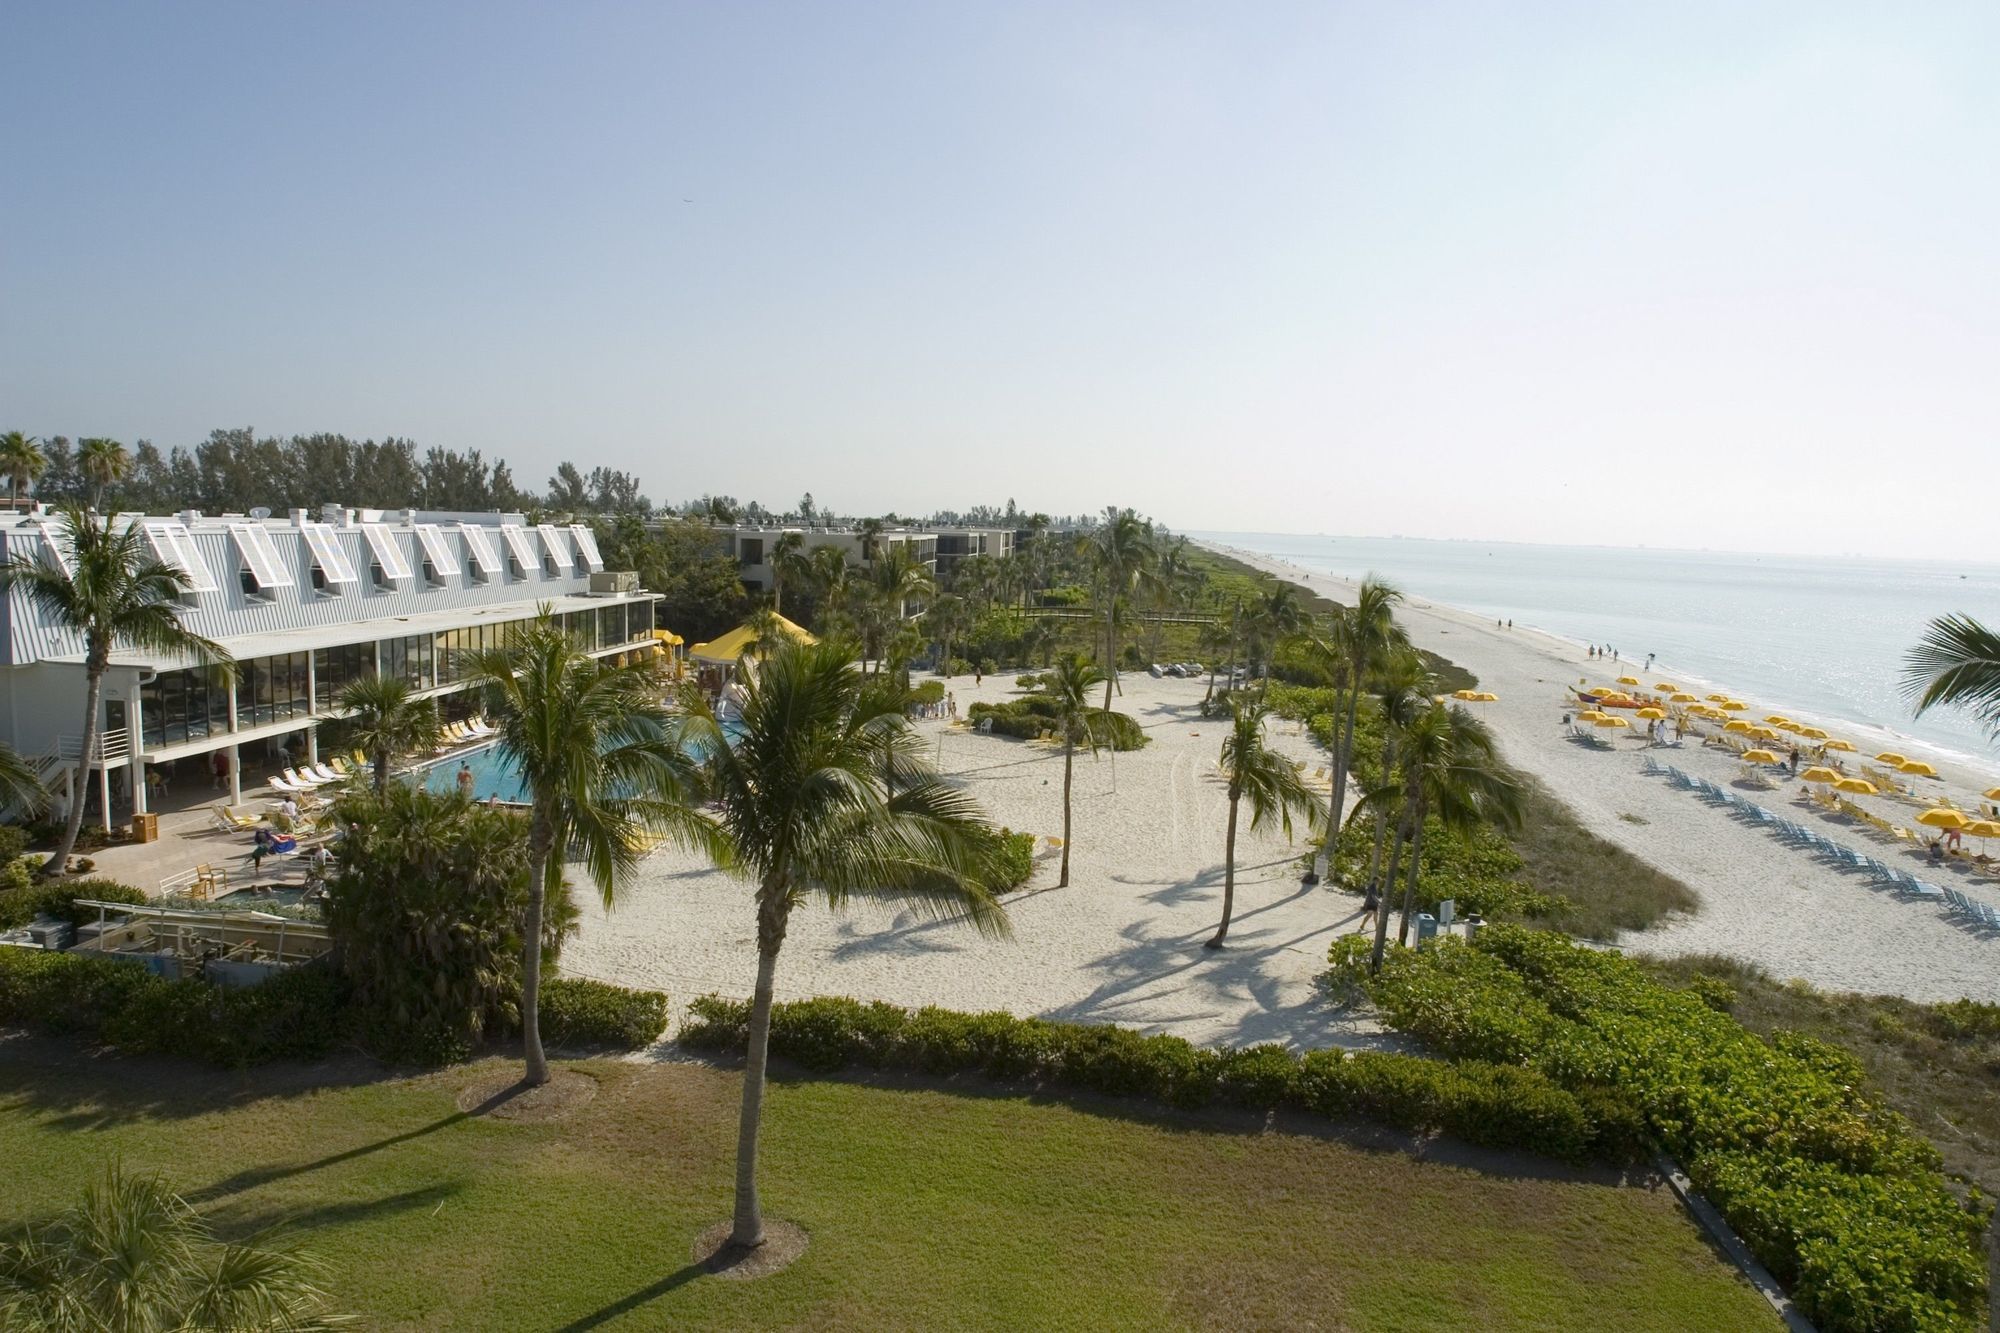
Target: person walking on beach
(1370,907)
(1795,761)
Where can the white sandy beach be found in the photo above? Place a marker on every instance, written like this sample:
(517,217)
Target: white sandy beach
(1761,900)
(1122,944)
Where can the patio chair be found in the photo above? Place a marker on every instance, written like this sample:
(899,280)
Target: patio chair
(300,780)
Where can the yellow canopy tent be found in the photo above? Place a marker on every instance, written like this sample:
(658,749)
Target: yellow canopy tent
(736,643)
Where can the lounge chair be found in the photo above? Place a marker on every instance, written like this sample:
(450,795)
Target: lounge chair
(323,773)
(287,788)
(339,765)
(301,780)
(222,819)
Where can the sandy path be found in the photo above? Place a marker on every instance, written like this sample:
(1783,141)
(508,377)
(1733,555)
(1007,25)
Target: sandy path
(1121,944)
(1761,900)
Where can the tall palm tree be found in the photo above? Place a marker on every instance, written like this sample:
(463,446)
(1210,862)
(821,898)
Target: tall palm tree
(1360,638)
(1402,685)
(1958,663)
(830,575)
(106,588)
(788,565)
(804,810)
(1451,769)
(1122,557)
(387,720)
(131,1256)
(1175,583)
(102,462)
(871,530)
(21,461)
(1274,618)
(946,620)
(1264,777)
(603,764)
(1069,684)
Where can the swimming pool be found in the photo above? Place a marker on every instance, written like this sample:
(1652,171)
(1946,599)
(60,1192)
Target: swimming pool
(493,776)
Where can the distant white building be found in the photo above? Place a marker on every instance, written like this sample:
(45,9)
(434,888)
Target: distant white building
(304,604)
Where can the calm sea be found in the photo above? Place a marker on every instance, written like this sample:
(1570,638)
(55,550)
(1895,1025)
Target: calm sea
(1824,637)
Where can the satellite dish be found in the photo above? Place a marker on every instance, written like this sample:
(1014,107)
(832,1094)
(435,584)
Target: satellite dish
(261,512)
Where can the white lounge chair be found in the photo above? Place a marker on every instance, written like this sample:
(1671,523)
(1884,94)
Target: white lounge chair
(298,779)
(287,788)
(323,773)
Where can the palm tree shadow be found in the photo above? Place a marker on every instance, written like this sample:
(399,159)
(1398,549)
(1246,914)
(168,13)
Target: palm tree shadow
(624,1305)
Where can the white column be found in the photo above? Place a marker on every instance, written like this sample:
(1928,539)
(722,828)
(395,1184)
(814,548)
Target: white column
(137,764)
(104,793)
(236,775)
(312,745)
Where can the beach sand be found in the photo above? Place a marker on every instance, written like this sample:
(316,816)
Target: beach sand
(1762,901)
(1122,944)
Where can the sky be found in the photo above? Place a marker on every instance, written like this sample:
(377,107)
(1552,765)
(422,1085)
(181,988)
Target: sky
(1697,274)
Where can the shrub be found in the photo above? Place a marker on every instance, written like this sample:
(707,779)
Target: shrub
(1836,1194)
(576,1011)
(1013,859)
(1496,1105)
(57,898)
(13,842)
(927,692)
(297,1014)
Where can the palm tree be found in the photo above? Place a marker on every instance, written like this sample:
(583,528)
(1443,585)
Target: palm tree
(1069,685)
(387,719)
(1402,686)
(603,765)
(1268,780)
(21,461)
(946,620)
(871,530)
(1273,618)
(788,564)
(102,461)
(1122,558)
(132,1255)
(21,788)
(1957,663)
(1359,640)
(105,587)
(1451,769)
(830,574)
(804,810)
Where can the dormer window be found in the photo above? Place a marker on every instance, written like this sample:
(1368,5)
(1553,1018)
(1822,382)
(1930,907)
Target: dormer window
(520,553)
(555,550)
(332,572)
(586,549)
(484,560)
(439,562)
(389,568)
(175,547)
(262,573)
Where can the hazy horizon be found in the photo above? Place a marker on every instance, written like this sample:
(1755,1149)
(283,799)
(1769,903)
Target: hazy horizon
(1705,277)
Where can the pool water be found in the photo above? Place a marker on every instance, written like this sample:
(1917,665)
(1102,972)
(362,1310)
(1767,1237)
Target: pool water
(493,776)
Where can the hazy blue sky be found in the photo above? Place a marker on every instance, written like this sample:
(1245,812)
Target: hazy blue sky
(1679,274)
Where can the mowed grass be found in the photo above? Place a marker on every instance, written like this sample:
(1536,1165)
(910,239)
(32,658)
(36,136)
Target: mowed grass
(927,1208)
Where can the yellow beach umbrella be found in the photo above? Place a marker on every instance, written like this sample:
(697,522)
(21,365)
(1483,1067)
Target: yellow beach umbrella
(1820,773)
(1942,818)
(1592,714)
(1993,793)
(1628,680)
(1666,685)
(1859,786)
(1891,757)
(1917,766)
(1683,697)
(1487,697)
(1612,722)
(1847,746)
(1777,719)
(1651,712)
(1735,705)
(1764,733)
(1464,694)
(1982,829)
(1758,757)
(1718,698)
(1812,733)
(1738,724)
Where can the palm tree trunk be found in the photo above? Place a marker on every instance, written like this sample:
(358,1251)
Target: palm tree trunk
(1069,766)
(79,786)
(1110,649)
(1410,886)
(382,770)
(748,1228)
(1382,903)
(539,848)
(1228,873)
(1343,750)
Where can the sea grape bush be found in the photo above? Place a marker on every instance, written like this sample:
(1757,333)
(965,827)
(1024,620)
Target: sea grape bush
(579,1012)
(1495,1105)
(1833,1191)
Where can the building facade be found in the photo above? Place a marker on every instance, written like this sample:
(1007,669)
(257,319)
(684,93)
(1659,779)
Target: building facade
(304,604)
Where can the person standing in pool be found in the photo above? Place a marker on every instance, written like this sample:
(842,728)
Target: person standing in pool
(464,778)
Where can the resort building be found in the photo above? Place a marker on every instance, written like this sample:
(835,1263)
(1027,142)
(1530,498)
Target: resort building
(956,544)
(751,546)
(304,605)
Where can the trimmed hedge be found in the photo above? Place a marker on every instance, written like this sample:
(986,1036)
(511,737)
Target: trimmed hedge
(58,898)
(1834,1192)
(1494,1105)
(299,1014)
(576,1011)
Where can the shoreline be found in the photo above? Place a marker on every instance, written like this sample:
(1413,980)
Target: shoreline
(1762,901)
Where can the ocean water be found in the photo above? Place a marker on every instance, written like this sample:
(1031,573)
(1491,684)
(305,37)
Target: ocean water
(1825,637)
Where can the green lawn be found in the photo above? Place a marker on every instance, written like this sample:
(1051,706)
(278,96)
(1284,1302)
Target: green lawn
(926,1208)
